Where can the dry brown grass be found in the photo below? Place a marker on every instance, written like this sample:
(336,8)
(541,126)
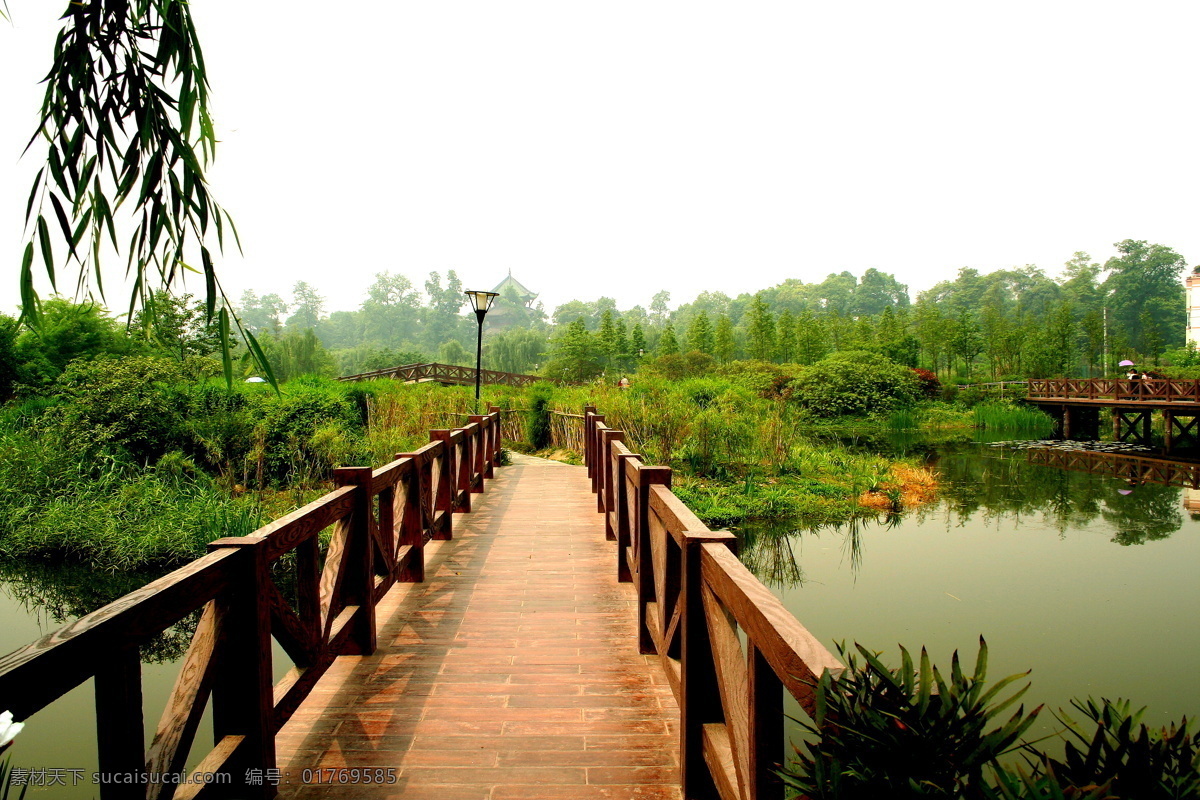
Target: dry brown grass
(911,486)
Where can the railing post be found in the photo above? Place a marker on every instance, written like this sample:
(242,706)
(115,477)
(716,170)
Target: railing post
(243,693)
(588,413)
(497,438)
(412,532)
(624,513)
(699,692)
(358,584)
(593,446)
(647,477)
(477,447)
(604,494)
(120,729)
(765,746)
(443,501)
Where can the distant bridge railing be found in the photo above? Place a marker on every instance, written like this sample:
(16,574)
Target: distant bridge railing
(694,596)
(381,520)
(1148,390)
(1133,469)
(446,373)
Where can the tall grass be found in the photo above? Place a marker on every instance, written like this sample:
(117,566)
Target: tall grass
(1012,418)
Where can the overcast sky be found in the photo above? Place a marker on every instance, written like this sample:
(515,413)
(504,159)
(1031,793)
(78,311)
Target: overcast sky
(620,148)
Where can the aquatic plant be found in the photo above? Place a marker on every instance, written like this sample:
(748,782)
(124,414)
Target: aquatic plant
(905,732)
(1013,418)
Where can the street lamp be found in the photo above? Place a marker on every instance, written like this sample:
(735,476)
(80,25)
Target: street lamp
(480,303)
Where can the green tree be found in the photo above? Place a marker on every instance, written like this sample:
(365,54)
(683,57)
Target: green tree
(760,331)
(785,336)
(606,338)
(307,306)
(667,343)
(8,356)
(574,354)
(700,334)
(68,331)
(1146,278)
(118,63)
(177,326)
(724,345)
(966,339)
(637,340)
(812,343)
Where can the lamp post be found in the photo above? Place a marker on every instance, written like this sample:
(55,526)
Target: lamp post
(480,303)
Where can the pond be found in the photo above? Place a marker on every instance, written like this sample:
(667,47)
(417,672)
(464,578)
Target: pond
(1088,580)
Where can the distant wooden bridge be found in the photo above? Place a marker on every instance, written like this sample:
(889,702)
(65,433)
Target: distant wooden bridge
(528,648)
(445,374)
(1133,469)
(1076,403)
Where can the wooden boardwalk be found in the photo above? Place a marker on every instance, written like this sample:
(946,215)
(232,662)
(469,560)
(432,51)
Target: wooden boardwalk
(511,672)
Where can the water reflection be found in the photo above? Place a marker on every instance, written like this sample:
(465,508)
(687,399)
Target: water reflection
(1138,497)
(1040,560)
(60,593)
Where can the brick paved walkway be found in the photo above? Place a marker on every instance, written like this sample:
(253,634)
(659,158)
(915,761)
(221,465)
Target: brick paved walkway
(512,672)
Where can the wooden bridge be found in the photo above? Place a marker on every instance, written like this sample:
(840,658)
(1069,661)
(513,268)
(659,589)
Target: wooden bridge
(455,643)
(445,374)
(1077,403)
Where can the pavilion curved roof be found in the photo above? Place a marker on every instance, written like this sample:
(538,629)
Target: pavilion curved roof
(522,292)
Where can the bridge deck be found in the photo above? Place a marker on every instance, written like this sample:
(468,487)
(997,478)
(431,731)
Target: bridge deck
(512,672)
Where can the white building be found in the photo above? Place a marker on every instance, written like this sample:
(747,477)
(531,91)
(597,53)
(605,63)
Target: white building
(1193,306)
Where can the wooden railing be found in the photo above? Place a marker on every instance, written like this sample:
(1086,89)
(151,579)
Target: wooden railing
(446,373)
(1149,390)
(381,520)
(696,604)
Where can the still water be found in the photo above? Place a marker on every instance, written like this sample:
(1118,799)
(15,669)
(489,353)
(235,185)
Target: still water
(1090,581)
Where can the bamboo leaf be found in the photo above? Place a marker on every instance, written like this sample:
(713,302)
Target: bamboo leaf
(226,355)
(43,232)
(260,359)
(29,301)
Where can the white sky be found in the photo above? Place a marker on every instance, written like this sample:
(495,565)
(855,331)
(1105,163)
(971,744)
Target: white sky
(620,148)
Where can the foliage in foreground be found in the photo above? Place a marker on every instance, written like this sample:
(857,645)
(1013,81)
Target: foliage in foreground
(911,733)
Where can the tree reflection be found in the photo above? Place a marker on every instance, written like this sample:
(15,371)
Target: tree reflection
(990,486)
(60,593)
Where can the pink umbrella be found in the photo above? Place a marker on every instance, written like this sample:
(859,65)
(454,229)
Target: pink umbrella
(1125,363)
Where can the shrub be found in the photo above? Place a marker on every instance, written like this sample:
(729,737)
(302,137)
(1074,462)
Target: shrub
(538,428)
(128,402)
(928,385)
(906,732)
(855,383)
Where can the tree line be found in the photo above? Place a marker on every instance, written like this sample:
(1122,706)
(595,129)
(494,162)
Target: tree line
(1006,324)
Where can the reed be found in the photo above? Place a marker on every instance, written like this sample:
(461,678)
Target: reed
(1012,418)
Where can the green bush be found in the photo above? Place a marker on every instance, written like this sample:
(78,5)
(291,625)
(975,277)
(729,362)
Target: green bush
(130,403)
(538,415)
(855,383)
(905,732)
(880,732)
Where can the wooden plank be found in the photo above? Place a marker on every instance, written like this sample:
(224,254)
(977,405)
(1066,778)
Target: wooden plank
(290,530)
(676,516)
(796,656)
(287,628)
(177,727)
(219,760)
(718,754)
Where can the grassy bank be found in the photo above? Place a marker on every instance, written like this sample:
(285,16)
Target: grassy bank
(128,466)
